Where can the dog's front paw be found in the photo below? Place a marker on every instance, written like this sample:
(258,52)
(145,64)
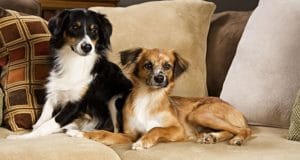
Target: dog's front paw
(35,126)
(143,143)
(13,137)
(74,133)
(207,139)
(22,136)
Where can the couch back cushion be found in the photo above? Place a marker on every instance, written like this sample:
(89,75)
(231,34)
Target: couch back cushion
(24,61)
(224,34)
(179,25)
(264,77)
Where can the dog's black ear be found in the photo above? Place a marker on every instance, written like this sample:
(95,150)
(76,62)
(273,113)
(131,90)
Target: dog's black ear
(180,65)
(56,23)
(130,55)
(105,32)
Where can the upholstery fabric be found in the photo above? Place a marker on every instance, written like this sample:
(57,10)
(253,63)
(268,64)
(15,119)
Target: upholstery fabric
(32,7)
(24,60)
(225,31)
(264,77)
(58,146)
(265,143)
(181,25)
(294,130)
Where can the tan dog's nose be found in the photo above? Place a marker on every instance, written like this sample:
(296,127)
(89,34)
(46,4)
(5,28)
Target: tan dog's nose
(159,78)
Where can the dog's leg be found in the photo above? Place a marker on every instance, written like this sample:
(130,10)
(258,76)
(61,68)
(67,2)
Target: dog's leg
(65,116)
(113,112)
(213,137)
(47,112)
(49,127)
(210,120)
(155,135)
(70,112)
(102,136)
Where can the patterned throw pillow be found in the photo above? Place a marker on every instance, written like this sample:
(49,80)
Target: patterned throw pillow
(294,130)
(24,61)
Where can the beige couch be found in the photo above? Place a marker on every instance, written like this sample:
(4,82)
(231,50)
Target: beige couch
(265,143)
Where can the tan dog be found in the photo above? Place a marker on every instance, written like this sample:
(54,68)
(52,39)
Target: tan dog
(152,116)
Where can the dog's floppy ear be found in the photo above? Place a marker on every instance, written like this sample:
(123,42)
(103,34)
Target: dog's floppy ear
(105,28)
(55,24)
(180,65)
(130,55)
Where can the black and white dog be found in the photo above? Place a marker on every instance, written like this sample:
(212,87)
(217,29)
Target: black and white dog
(83,86)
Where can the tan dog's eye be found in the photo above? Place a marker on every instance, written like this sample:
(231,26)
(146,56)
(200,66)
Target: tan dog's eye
(167,66)
(148,66)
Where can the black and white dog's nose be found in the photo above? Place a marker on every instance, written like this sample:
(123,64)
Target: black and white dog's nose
(86,47)
(159,78)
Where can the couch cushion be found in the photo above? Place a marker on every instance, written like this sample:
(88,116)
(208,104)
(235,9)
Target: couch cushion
(294,130)
(24,60)
(58,146)
(32,7)
(265,143)
(179,25)
(225,31)
(264,77)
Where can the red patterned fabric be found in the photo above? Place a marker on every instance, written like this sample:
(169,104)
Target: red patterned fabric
(24,61)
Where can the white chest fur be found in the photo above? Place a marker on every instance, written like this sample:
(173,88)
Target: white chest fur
(73,77)
(143,120)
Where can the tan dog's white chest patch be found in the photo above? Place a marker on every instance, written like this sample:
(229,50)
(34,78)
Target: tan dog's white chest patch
(143,120)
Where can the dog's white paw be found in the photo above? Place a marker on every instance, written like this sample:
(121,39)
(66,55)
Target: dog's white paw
(22,136)
(35,126)
(137,145)
(13,137)
(74,133)
(141,144)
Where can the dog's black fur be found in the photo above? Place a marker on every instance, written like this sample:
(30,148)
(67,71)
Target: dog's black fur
(108,78)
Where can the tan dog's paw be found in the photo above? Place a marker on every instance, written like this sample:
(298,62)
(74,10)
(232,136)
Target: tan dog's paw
(236,141)
(207,139)
(142,143)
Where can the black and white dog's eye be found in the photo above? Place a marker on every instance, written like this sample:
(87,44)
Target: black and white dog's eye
(148,66)
(75,27)
(94,29)
(167,66)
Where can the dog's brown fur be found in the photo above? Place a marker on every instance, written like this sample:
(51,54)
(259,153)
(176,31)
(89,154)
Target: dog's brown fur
(166,118)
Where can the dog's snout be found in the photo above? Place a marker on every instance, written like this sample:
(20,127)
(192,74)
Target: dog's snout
(86,47)
(159,78)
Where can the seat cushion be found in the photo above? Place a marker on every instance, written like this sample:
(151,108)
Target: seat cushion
(58,146)
(179,25)
(265,143)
